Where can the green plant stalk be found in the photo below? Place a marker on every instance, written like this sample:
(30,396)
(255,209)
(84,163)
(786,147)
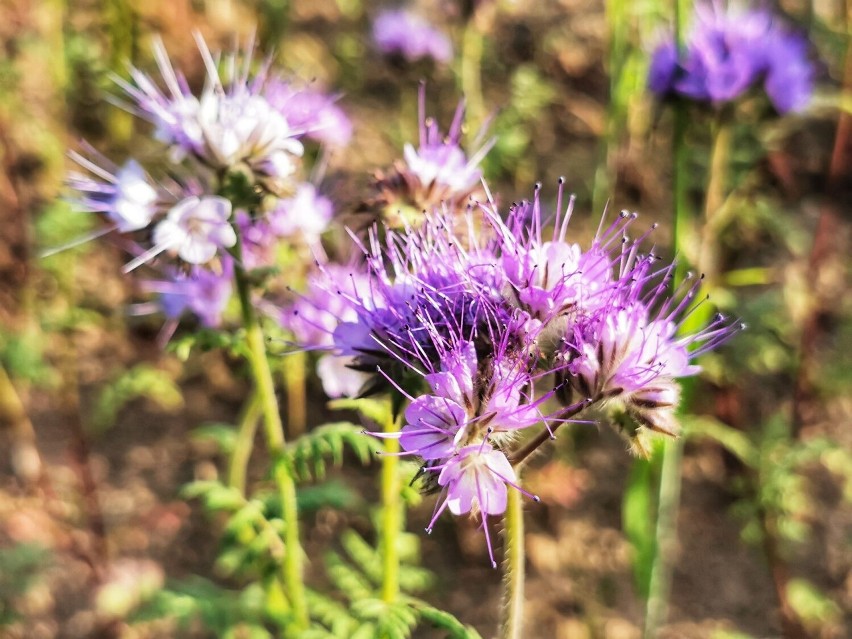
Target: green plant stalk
(512,622)
(665,535)
(274,431)
(244,443)
(665,532)
(294,380)
(391,514)
(617,14)
(470,72)
(714,200)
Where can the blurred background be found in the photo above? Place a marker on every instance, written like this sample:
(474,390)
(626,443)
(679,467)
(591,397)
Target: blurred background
(100,424)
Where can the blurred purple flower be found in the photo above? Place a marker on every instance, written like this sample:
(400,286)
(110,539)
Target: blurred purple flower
(306,212)
(315,315)
(124,194)
(728,52)
(201,291)
(230,123)
(397,31)
(312,112)
(194,229)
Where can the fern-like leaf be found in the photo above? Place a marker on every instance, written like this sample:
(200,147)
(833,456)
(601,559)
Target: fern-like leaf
(306,457)
(445,621)
(351,583)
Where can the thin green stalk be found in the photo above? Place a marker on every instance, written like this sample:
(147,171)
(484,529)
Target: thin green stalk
(471,71)
(391,516)
(274,431)
(512,623)
(668,502)
(618,20)
(244,443)
(666,537)
(294,380)
(716,192)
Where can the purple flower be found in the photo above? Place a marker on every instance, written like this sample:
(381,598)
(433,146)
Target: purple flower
(124,194)
(307,212)
(201,291)
(549,278)
(437,173)
(313,112)
(401,32)
(729,52)
(630,352)
(790,78)
(230,123)
(314,317)
(464,315)
(194,229)
(663,69)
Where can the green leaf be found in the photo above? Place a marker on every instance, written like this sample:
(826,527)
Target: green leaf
(215,495)
(811,604)
(734,441)
(445,621)
(638,508)
(376,410)
(332,494)
(141,381)
(351,583)
(305,457)
(222,436)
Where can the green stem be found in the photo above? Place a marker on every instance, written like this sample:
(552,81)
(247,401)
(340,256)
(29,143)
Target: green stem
(244,443)
(716,192)
(471,72)
(618,21)
(512,623)
(294,379)
(274,431)
(666,537)
(391,517)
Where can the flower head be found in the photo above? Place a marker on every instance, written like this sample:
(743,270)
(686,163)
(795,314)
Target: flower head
(728,52)
(124,194)
(404,33)
(437,173)
(229,124)
(307,212)
(194,229)
(311,111)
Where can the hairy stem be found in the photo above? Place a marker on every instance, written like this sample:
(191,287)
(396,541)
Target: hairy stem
(512,622)
(274,431)
(244,443)
(391,517)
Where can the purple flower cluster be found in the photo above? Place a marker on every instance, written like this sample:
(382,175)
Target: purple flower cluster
(489,327)
(401,32)
(729,52)
(241,138)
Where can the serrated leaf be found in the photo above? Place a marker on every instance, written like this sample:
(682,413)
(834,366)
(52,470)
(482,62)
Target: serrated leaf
(141,381)
(351,583)
(376,410)
(306,457)
(223,436)
(445,621)
(363,554)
